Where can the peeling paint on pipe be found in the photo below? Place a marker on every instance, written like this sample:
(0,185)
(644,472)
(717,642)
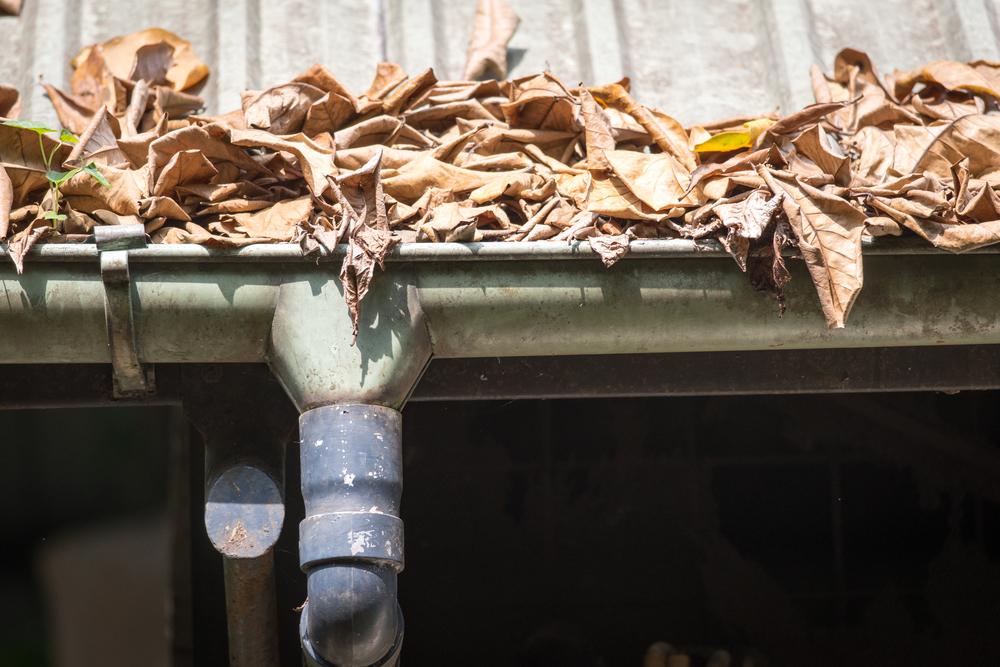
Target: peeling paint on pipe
(351,540)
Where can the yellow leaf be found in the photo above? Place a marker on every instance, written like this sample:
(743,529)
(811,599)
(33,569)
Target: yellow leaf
(732,140)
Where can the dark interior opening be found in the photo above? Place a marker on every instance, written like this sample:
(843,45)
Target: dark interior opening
(791,530)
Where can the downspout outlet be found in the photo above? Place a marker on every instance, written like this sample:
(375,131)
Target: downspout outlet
(351,541)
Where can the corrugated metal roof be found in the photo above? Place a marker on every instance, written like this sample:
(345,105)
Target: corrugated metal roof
(698,60)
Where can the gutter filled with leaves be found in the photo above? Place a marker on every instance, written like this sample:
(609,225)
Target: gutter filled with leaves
(414,159)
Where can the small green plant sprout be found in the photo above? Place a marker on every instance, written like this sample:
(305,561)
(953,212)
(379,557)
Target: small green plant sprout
(56,178)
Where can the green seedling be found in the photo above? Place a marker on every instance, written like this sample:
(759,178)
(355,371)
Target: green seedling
(56,178)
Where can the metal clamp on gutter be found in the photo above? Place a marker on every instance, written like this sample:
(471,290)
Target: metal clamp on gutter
(114,243)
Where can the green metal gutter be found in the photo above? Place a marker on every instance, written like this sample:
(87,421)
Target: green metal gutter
(268,303)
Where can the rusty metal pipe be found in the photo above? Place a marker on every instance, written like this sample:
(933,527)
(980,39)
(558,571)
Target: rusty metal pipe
(243,516)
(250,593)
(245,420)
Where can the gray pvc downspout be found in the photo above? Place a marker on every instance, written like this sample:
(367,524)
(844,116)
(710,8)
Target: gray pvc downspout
(266,303)
(351,541)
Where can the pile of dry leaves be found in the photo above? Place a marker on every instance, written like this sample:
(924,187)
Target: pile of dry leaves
(415,159)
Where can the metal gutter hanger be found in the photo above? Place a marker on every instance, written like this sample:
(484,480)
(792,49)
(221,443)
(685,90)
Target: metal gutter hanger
(114,243)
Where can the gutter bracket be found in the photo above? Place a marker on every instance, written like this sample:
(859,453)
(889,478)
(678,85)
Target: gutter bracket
(131,379)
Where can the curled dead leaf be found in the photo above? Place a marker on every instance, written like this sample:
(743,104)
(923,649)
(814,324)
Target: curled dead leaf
(118,55)
(493,26)
(609,248)
(828,231)
(10,102)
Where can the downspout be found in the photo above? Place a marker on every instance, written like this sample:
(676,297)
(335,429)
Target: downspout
(351,541)
(350,440)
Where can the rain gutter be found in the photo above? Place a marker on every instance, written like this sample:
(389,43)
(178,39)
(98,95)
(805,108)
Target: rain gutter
(268,303)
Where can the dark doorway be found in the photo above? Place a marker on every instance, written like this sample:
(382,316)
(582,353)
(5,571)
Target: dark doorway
(819,530)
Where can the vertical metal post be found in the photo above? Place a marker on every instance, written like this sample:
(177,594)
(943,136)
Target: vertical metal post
(250,589)
(246,420)
(244,512)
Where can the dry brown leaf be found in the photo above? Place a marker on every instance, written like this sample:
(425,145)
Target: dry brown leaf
(453,223)
(610,248)
(976,138)
(328,114)
(939,105)
(379,130)
(122,196)
(875,149)
(950,237)
(524,185)
(193,233)
(881,225)
(184,167)
(281,109)
(983,79)
(21,157)
(237,205)
(25,240)
(77,223)
(665,132)
(212,141)
(367,248)
(73,114)
(118,55)
(151,63)
(445,92)
(410,90)
(821,147)
(736,163)
(493,26)
(856,80)
(974,199)
(387,77)
(607,195)
(276,222)
(368,237)
(596,132)
(746,220)
(542,103)
(806,116)
(91,81)
(173,103)
(910,145)
(322,78)
(315,161)
(162,209)
(766,267)
(440,116)
(658,180)
(828,230)
(10,102)
(6,202)
(12,7)
(98,143)
(410,181)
